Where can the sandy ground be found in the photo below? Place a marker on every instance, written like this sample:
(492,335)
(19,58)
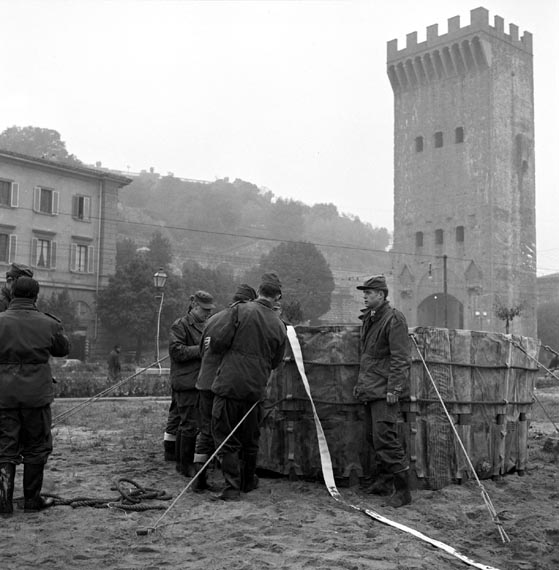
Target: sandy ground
(281,525)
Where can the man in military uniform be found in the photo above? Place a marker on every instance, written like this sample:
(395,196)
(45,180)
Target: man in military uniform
(383,380)
(16,270)
(27,340)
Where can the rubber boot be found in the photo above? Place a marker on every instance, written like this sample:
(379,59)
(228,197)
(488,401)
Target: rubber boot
(232,476)
(401,495)
(169,448)
(178,452)
(7,477)
(32,485)
(248,475)
(382,485)
(186,461)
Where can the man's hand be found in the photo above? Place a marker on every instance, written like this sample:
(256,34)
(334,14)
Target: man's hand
(391,398)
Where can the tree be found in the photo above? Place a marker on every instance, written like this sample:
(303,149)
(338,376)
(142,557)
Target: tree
(307,282)
(38,142)
(160,251)
(61,306)
(125,251)
(548,331)
(507,314)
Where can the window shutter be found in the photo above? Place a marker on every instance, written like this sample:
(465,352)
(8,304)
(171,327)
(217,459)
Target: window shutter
(37,199)
(74,206)
(90,263)
(52,255)
(34,243)
(87,208)
(12,248)
(73,257)
(55,198)
(15,195)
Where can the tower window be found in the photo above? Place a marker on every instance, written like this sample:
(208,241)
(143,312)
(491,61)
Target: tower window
(418,144)
(439,237)
(418,239)
(438,139)
(459,135)
(460,234)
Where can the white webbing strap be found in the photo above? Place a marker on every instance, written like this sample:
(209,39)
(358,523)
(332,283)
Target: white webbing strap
(328,472)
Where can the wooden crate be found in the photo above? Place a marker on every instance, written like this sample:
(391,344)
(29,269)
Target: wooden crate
(486,383)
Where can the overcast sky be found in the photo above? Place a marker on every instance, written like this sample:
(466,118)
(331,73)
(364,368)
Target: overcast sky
(292,96)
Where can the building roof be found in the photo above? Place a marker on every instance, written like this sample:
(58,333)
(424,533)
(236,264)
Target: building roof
(66,167)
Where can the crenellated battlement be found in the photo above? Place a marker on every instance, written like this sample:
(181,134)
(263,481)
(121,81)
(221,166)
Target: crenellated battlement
(479,22)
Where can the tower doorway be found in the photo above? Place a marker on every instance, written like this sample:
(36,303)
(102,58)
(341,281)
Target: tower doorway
(431,312)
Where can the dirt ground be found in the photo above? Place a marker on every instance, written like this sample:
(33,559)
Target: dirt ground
(281,525)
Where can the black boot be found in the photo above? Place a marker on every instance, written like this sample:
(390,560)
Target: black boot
(32,484)
(169,450)
(382,485)
(7,476)
(401,495)
(232,476)
(248,475)
(186,460)
(178,452)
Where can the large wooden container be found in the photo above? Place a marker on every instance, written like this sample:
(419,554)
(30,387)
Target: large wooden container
(487,385)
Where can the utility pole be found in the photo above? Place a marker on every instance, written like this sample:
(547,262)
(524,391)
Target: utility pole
(445,290)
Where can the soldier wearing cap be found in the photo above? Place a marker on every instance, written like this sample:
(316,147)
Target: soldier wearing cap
(382,382)
(184,350)
(16,270)
(208,370)
(251,339)
(28,338)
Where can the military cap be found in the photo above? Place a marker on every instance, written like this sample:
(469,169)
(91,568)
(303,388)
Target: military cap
(18,269)
(204,299)
(271,280)
(374,282)
(26,287)
(244,292)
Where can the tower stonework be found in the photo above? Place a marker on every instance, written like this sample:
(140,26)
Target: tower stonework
(464,183)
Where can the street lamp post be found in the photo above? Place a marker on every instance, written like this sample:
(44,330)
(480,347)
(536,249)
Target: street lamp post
(159,280)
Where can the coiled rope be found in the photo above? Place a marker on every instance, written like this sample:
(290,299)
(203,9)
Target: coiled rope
(484,494)
(68,413)
(129,499)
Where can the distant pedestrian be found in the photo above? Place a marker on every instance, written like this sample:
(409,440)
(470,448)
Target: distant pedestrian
(383,380)
(114,364)
(251,337)
(184,350)
(28,338)
(208,370)
(16,270)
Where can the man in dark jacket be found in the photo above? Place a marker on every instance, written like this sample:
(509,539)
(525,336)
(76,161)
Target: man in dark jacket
(184,350)
(16,270)
(208,370)
(382,382)
(27,339)
(251,337)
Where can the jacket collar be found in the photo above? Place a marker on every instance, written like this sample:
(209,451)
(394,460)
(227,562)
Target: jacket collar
(22,303)
(376,314)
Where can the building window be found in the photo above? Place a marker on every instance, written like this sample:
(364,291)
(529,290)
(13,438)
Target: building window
(438,139)
(439,237)
(45,201)
(81,258)
(8,244)
(460,234)
(81,208)
(43,251)
(418,144)
(418,239)
(9,193)
(459,135)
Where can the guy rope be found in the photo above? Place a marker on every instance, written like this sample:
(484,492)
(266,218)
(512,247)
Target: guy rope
(328,473)
(68,413)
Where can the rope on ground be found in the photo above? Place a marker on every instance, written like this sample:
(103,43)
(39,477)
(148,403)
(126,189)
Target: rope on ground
(68,413)
(328,473)
(130,498)
(153,528)
(484,494)
(522,349)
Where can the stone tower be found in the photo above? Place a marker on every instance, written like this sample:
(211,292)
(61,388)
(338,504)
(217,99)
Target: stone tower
(464,186)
